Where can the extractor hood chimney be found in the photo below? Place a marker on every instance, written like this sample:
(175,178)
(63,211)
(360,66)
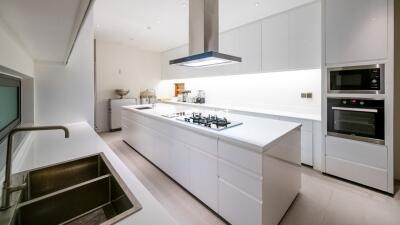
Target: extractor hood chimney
(204,37)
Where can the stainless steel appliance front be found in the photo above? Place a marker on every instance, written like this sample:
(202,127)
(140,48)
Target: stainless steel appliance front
(367,79)
(357,119)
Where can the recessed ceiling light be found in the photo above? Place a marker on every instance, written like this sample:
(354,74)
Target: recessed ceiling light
(257,4)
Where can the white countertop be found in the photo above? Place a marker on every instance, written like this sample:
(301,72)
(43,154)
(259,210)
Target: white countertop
(44,148)
(256,133)
(306,116)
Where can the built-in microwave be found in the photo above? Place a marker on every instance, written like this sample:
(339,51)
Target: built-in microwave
(357,119)
(368,79)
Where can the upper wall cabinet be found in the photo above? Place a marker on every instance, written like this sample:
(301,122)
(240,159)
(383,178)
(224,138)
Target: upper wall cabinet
(292,40)
(275,39)
(288,41)
(356,30)
(248,46)
(305,37)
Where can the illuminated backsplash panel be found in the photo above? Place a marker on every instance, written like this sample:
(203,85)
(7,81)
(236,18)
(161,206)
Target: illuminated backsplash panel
(279,91)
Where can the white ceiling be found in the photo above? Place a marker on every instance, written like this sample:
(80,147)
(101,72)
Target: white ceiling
(43,27)
(159,25)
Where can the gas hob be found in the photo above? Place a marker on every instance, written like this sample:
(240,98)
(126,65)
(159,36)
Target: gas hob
(209,121)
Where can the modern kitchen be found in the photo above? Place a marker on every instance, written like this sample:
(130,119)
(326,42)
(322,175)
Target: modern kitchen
(200,112)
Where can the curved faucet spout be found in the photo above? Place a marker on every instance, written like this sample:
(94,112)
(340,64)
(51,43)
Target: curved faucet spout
(7,188)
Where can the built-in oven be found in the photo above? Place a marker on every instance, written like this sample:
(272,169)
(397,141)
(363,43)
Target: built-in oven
(368,79)
(357,119)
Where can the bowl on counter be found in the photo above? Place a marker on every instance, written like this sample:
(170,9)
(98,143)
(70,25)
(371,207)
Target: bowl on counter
(121,92)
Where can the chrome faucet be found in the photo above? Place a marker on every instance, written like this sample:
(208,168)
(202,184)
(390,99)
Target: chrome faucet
(7,188)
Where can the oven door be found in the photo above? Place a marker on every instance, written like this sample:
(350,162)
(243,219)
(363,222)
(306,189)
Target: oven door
(357,123)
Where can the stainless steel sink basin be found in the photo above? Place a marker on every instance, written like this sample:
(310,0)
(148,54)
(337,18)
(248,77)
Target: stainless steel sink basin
(47,180)
(144,107)
(83,191)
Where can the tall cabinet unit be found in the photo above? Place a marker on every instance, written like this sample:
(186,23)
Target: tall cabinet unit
(358,33)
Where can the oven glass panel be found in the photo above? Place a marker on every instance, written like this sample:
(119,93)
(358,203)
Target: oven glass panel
(355,123)
(356,118)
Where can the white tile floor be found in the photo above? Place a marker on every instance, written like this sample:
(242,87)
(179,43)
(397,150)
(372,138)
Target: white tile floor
(323,200)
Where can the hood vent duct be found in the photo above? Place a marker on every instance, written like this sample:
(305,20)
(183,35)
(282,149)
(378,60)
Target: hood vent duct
(204,37)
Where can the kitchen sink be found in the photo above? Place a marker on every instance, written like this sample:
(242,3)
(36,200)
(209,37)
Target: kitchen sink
(144,107)
(82,191)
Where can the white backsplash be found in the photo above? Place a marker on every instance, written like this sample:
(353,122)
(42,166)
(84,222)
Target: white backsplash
(272,91)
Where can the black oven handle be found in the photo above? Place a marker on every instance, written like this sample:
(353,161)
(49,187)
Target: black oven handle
(355,109)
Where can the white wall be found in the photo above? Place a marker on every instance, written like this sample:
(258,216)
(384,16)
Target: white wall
(12,55)
(273,91)
(121,66)
(65,93)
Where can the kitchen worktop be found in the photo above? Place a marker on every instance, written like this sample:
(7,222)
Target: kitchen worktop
(44,148)
(256,133)
(255,111)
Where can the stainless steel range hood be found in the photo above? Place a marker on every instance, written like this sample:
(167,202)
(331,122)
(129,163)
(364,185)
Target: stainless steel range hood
(204,37)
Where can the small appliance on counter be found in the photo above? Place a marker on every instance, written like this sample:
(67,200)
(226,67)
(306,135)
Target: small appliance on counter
(201,97)
(185,95)
(122,92)
(148,97)
(210,121)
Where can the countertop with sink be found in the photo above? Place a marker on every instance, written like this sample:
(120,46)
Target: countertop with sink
(255,133)
(45,148)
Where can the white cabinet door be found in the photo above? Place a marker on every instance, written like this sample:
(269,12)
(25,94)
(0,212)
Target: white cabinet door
(275,39)
(131,133)
(173,71)
(248,47)
(307,148)
(238,207)
(163,146)
(204,177)
(305,37)
(356,30)
(179,163)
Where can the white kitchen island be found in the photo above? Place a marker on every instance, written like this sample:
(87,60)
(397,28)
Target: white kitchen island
(248,174)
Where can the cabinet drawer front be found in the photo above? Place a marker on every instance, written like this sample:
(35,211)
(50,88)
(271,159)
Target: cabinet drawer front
(359,173)
(244,158)
(237,207)
(199,141)
(243,179)
(359,152)
(129,115)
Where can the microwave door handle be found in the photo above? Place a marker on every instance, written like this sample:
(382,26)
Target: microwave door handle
(355,109)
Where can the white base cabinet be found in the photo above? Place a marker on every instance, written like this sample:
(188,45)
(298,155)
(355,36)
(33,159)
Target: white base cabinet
(245,186)
(203,173)
(360,162)
(238,207)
